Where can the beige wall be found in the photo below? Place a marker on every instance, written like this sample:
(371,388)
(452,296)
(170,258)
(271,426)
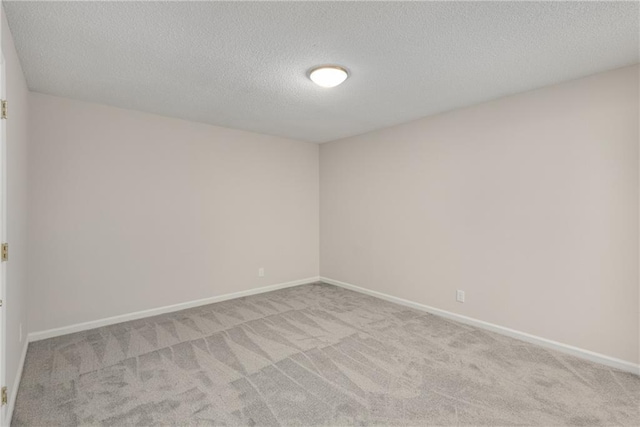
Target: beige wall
(131,211)
(529,204)
(16,286)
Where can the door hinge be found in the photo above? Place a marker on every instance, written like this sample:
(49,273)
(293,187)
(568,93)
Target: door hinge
(5,399)
(5,252)
(5,108)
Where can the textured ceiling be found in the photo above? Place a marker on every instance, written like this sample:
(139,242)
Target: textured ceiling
(243,64)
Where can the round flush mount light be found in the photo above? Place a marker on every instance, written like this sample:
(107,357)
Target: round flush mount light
(328,75)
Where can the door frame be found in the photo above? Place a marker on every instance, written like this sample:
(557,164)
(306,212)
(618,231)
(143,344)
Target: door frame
(3,235)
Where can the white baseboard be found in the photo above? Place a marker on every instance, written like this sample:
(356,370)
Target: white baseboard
(523,336)
(78,327)
(14,390)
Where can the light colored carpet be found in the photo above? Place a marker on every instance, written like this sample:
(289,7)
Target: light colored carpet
(312,355)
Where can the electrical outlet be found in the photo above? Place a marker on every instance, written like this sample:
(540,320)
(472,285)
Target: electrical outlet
(460,296)
(261,272)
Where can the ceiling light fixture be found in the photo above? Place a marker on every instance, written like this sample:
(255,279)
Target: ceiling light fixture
(328,75)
